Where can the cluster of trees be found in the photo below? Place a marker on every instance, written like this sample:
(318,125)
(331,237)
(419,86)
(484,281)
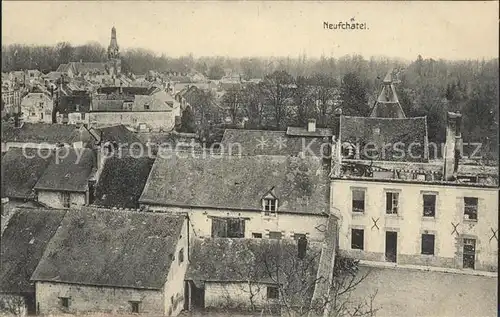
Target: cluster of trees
(428,87)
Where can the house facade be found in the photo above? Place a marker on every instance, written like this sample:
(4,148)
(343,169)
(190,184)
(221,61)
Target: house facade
(148,281)
(279,197)
(37,107)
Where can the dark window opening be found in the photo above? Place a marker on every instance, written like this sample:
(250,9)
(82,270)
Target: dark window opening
(181,256)
(275,235)
(64,301)
(256,235)
(358,201)
(429,205)
(134,307)
(428,244)
(272,292)
(470,208)
(65,200)
(228,228)
(392,203)
(357,239)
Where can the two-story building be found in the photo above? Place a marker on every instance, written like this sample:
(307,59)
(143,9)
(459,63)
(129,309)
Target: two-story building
(37,107)
(242,196)
(395,204)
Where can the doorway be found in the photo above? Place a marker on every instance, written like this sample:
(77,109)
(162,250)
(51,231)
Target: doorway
(391,246)
(469,254)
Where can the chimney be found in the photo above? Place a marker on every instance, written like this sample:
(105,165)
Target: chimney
(121,88)
(302,247)
(453,143)
(311,125)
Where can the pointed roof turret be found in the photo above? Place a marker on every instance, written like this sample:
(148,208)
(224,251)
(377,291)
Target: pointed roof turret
(387,105)
(113,48)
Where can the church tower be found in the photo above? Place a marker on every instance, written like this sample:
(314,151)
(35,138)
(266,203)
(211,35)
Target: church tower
(387,105)
(114,54)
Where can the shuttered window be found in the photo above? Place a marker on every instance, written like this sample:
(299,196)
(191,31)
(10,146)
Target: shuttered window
(228,227)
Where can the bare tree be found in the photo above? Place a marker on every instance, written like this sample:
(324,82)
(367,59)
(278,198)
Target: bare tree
(278,89)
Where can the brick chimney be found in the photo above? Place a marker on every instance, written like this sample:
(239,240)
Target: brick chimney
(311,125)
(453,144)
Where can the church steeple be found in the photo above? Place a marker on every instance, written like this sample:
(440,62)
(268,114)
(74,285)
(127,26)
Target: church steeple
(387,105)
(113,49)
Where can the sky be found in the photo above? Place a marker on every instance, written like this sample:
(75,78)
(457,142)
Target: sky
(448,30)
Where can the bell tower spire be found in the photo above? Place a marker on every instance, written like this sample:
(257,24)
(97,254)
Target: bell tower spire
(113,48)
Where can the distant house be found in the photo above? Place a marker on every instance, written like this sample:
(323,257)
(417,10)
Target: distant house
(65,182)
(24,240)
(122,181)
(21,170)
(150,111)
(37,107)
(43,135)
(241,275)
(11,97)
(242,196)
(114,261)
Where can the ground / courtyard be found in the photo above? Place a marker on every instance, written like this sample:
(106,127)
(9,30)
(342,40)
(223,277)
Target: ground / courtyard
(403,292)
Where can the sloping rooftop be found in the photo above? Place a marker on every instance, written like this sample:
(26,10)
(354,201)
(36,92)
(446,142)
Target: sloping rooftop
(263,142)
(69,170)
(238,182)
(117,133)
(388,135)
(134,249)
(21,170)
(40,133)
(23,243)
(122,181)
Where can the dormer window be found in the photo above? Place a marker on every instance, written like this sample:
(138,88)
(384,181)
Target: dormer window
(270,206)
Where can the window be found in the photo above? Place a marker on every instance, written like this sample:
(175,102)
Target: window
(64,301)
(392,200)
(33,114)
(428,244)
(181,256)
(297,236)
(429,205)
(256,235)
(470,208)
(358,200)
(146,106)
(41,104)
(77,108)
(228,227)
(65,199)
(134,307)
(270,207)
(41,115)
(275,235)
(272,292)
(357,239)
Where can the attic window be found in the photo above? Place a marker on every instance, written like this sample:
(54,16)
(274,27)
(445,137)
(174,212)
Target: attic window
(270,206)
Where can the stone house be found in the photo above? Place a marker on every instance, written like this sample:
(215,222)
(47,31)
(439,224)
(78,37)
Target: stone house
(242,196)
(24,240)
(249,275)
(21,170)
(66,181)
(405,208)
(139,266)
(155,111)
(37,107)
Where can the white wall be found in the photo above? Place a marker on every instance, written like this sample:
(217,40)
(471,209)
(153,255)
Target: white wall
(410,223)
(288,224)
(53,199)
(235,294)
(155,119)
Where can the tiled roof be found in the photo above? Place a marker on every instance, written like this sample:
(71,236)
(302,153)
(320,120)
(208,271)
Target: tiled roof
(23,242)
(117,133)
(89,67)
(111,248)
(67,104)
(21,170)
(299,131)
(262,142)
(369,132)
(40,133)
(107,105)
(67,171)
(234,182)
(127,90)
(256,260)
(122,181)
